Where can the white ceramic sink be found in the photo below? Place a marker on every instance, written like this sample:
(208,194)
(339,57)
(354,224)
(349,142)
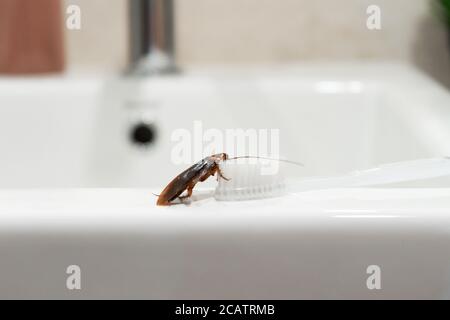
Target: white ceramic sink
(317,245)
(74,191)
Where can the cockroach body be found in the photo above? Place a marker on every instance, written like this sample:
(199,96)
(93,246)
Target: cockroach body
(187,180)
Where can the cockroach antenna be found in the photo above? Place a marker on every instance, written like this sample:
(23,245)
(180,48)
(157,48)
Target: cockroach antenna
(266,158)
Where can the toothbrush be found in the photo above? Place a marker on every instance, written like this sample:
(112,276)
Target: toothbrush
(247,182)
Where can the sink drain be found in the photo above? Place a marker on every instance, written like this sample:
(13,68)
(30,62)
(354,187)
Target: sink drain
(143,134)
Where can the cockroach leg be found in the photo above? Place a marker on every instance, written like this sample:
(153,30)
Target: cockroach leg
(220,174)
(189,192)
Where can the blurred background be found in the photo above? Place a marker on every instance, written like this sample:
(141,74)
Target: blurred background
(81,105)
(248,32)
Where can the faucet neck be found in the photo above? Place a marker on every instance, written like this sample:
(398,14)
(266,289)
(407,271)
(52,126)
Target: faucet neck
(152,36)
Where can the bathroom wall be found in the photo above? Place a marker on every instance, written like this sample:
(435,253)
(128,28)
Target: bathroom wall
(271,31)
(102,42)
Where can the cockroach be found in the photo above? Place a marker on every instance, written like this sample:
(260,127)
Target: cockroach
(187,180)
(198,172)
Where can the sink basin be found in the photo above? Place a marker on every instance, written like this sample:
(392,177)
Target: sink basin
(76,190)
(74,131)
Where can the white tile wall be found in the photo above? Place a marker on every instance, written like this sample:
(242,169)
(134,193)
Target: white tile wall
(102,42)
(271,31)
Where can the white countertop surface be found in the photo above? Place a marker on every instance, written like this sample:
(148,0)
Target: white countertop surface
(117,209)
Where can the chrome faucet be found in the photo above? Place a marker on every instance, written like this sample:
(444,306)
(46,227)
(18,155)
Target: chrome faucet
(152,36)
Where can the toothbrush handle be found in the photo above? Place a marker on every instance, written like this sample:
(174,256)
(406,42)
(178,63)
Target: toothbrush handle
(385,174)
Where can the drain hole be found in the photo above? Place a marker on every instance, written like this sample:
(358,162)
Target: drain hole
(143,134)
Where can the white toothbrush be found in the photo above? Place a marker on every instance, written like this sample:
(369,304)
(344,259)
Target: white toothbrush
(247,182)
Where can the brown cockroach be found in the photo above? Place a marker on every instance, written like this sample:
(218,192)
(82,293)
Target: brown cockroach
(187,180)
(198,172)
